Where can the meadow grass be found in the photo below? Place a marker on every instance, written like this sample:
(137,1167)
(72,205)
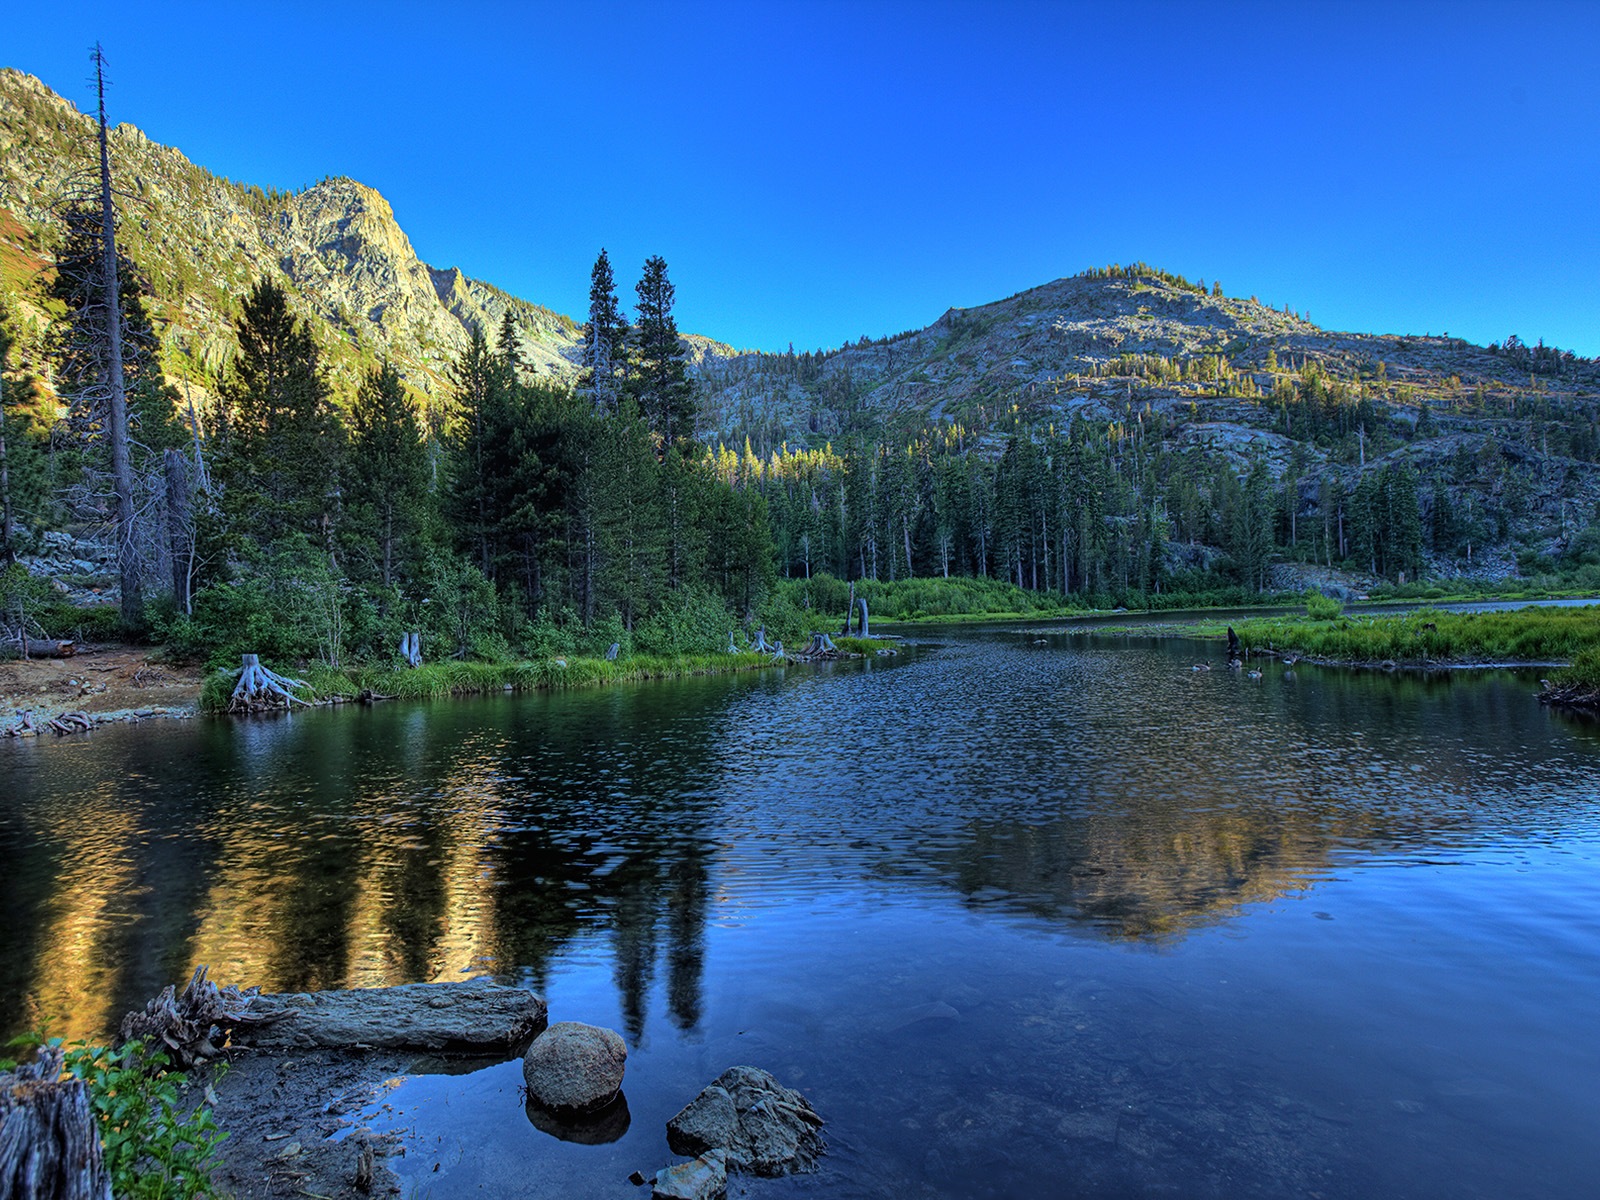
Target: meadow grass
(1430,635)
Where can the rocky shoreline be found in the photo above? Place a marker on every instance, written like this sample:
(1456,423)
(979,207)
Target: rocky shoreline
(302,1075)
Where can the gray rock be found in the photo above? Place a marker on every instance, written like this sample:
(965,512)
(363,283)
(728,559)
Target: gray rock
(472,1016)
(573,1067)
(766,1128)
(700,1179)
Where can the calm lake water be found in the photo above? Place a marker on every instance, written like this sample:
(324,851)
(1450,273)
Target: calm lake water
(1022,914)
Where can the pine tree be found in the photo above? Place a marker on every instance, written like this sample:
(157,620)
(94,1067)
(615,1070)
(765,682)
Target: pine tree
(659,378)
(605,339)
(280,442)
(387,494)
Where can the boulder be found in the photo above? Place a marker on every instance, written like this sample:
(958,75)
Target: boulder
(766,1128)
(573,1067)
(702,1178)
(473,1016)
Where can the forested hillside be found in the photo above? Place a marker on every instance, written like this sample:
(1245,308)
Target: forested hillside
(332,443)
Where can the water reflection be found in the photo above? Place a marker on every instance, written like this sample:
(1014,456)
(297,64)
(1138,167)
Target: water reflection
(1096,786)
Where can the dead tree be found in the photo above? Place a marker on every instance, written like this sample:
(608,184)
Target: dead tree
(849,611)
(49,1138)
(863,603)
(117,426)
(7,554)
(411,649)
(180,527)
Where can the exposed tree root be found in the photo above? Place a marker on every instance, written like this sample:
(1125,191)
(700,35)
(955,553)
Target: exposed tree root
(258,688)
(194,1025)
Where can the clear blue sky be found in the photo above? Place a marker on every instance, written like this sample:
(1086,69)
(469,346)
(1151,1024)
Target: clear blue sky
(814,172)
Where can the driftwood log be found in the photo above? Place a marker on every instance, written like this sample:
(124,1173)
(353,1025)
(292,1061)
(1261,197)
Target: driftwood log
(258,688)
(473,1016)
(49,1141)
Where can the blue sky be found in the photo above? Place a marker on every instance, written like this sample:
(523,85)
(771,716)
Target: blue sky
(815,172)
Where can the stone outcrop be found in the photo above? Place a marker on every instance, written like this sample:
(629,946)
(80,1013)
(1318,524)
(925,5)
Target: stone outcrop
(765,1128)
(575,1068)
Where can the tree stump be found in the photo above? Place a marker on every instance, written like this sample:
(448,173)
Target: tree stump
(49,1141)
(411,649)
(611,654)
(259,688)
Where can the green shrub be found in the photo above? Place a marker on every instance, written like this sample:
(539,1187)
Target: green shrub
(1322,608)
(693,621)
(155,1149)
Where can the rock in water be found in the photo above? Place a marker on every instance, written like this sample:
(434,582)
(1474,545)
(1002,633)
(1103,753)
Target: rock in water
(766,1128)
(702,1179)
(573,1067)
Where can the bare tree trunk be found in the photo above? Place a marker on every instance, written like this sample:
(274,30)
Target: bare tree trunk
(117,430)
(7,554)
(179,529)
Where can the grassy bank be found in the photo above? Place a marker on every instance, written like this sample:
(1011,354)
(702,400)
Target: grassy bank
(435,680)
(1430,635)
(955,600)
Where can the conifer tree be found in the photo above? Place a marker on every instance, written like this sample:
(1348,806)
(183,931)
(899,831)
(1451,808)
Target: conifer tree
(280,442)
(387,492)
(659,378)
(604,340)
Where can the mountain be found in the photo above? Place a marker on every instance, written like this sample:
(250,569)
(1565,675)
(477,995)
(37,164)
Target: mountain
(203,241)
(1228,376)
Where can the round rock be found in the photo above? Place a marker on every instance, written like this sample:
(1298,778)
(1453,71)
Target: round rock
(573,1067)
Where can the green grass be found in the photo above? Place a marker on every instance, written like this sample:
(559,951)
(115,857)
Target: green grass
(867,645)
(1429,635)
(436,680)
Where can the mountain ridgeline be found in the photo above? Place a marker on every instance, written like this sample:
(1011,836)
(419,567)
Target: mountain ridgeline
(1116,436)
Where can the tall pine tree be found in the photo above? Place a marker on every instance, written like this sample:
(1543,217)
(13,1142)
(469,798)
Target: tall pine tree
(280,442)
(604,340)
(659,379)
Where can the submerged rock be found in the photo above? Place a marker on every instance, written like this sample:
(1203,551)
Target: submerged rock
(702,1178)
(573,1067)
(766,1128)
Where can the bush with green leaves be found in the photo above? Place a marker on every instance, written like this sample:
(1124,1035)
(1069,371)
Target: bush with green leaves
(1322,608)
(156,1146)
(692,621)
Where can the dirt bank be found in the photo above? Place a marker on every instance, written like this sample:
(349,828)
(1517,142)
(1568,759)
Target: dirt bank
(103,682)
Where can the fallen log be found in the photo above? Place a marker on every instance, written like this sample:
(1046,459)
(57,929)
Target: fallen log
(474,1016)
(47,648)
(49,1141)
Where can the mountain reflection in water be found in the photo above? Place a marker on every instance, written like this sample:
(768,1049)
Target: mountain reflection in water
(764,859)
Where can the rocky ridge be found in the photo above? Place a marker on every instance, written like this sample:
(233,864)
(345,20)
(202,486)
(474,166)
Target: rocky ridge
(203,240)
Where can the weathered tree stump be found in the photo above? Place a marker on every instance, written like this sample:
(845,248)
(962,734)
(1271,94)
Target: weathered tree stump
(863,603)
(259,688)
(193,1027)
(611,654)
(411,649)
(49,1141)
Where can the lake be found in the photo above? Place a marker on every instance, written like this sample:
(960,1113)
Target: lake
(1022,912)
